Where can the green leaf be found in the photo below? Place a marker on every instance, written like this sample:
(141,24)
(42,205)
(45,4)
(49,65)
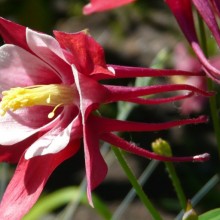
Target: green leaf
(211,215)
(62,197)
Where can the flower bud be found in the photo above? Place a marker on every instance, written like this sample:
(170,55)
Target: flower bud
(162,147)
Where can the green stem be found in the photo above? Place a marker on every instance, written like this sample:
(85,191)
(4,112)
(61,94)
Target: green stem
(214,114)
(210,84)
(176,184)
(162,147)
(143,197)
(201,193)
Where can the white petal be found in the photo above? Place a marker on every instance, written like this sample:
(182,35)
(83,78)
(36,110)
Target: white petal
(49,50)
(20,68)
(14,129)
(52,142)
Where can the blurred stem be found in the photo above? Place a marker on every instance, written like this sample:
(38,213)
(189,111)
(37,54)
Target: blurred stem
(143,197)
(214,114)
(210,84)
(176,184)
(201,193)
(131,195)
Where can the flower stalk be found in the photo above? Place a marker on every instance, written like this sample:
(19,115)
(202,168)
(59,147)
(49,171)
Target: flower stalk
(163,148)
(154,213)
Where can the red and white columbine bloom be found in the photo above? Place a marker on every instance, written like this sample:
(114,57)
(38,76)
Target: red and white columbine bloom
(50,88)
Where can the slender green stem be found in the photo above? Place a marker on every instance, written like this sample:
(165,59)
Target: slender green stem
(162,147)
(176,184)
(214,113)
(210,84)
(132,193)
(154,213)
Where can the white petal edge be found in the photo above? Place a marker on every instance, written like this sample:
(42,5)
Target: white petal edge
(21,68)
(49,50)
(52,142)
(76,77)
(35,40)
(10,136)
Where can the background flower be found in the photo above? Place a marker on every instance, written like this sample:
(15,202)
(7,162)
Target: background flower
(182,10)
(100,5)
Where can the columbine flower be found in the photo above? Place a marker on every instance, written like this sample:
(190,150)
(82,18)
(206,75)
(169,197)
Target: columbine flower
(182,10)
(50,89)
(102,5)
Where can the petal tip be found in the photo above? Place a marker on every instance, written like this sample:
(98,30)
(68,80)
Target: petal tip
(111,69)
(87,9)
(201,158)
(89,196)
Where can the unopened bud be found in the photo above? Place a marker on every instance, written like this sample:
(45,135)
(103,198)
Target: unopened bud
(162,147)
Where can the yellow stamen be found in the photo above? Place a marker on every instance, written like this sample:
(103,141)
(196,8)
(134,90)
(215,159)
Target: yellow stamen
(51,114)
(47,95)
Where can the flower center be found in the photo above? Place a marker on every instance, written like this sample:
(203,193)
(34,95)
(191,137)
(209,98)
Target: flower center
(48,95)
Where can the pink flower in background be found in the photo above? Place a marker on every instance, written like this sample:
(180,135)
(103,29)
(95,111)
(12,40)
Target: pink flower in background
(182,10)
(103,5)
(50,91)
(184,61)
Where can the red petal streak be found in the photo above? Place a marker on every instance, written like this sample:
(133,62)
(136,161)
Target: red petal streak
(96,168)
(209,69)
(132,148)
(182,10)
(159,100)
(216,5)
(205,10)
(91,93)
(13,33)
(128,93)
(86,54)
(109,125)
(28,182)
(131,72)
